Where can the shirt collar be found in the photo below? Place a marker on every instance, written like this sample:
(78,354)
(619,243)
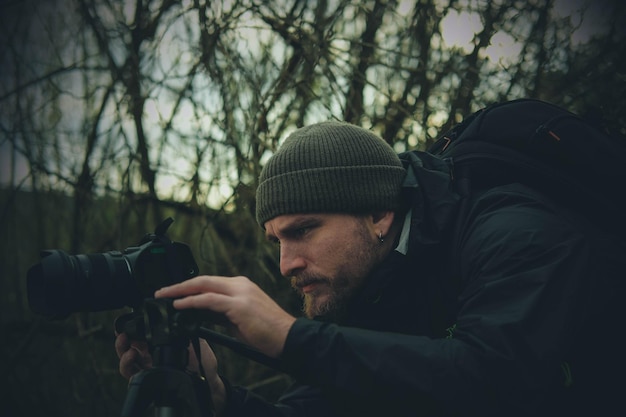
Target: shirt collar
(403,242)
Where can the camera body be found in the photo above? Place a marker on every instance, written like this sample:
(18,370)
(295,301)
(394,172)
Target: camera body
(61,284)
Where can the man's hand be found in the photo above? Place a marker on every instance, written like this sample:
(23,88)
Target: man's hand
(257,319)
(134,355)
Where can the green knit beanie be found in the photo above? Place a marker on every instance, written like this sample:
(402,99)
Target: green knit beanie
(331,167)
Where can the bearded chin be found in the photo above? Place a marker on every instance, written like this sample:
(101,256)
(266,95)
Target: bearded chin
(332,309)
(313,308)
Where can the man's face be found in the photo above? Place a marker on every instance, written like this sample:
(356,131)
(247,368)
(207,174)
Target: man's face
(326,256)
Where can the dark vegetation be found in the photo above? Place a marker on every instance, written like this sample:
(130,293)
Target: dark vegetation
(115,115)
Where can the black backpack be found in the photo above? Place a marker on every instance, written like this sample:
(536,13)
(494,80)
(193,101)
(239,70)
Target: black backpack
(544,146)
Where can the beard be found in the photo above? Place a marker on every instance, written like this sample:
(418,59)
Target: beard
(328,300)
(330,297)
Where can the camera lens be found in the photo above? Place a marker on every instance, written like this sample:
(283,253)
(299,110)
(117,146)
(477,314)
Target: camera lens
(61,284)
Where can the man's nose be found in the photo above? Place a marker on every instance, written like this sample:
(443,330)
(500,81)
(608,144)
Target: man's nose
(291,262)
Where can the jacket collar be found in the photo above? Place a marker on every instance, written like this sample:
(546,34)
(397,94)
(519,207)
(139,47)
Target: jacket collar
(400,292)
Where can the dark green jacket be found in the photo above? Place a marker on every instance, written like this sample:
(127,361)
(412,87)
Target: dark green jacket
(505,305)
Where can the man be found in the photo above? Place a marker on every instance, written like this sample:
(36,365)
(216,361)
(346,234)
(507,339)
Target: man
(412,307)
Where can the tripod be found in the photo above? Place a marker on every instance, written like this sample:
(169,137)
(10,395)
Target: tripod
(167,388)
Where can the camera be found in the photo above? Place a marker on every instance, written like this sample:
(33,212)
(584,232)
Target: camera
(61,284)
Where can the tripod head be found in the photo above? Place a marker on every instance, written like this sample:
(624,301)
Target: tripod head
(167,386)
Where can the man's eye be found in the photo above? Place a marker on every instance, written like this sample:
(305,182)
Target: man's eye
(298,232)
(305,230)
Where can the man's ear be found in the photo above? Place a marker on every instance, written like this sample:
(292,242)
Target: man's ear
(382,221)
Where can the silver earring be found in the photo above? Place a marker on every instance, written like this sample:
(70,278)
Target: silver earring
(380,237)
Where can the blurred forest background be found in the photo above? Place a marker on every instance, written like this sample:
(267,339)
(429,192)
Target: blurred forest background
(117,114)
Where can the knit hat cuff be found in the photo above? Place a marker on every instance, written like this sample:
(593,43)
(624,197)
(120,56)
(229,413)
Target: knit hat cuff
(343,189)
